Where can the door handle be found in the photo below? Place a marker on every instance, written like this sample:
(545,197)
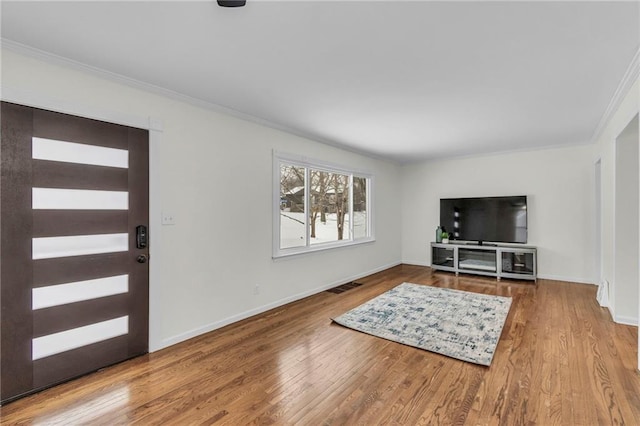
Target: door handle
(142,258)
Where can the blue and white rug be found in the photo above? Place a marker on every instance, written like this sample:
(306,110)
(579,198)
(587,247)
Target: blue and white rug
(455,323)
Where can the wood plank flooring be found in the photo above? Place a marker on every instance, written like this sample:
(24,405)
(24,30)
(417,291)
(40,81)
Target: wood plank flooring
(560,360)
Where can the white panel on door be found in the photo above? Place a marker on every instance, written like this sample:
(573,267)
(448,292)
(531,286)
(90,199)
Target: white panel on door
(61,294)
(78,245)
(78,337)
(70,152)
(79,199)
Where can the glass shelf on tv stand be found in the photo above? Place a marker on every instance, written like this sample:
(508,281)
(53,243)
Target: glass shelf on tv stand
(477,260)
(480,265)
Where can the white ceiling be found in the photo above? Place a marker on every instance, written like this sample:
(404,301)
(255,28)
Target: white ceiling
(401,80)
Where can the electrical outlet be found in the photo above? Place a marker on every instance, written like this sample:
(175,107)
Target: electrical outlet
(256,289)
(168,218)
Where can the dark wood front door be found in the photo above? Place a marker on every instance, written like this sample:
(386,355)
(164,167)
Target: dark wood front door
(74,277)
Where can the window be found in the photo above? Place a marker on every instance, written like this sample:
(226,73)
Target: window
(319,206)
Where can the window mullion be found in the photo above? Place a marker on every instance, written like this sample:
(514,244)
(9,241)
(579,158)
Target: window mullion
(369,206)
(307,201)
(351,212)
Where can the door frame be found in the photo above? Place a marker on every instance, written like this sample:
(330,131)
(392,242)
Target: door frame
(155,128)
(598,252)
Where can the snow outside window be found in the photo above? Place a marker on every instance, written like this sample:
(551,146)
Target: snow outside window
(319,206)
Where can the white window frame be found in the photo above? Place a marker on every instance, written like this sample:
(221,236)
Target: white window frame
(279,159)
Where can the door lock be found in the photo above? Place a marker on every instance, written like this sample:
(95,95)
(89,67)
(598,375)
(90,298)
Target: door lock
(141,236)
(142,258)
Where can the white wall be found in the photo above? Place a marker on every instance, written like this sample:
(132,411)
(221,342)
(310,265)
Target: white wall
(215,177)
(605,150)
(626,221)
(558,184)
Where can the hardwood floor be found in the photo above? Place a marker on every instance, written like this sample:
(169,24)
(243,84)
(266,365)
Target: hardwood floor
(560,360)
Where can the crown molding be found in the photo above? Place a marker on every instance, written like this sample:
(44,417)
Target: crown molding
(448,157)
(625,85)
(54,59)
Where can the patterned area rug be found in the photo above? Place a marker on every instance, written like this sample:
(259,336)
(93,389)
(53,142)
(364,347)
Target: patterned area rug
(455,323)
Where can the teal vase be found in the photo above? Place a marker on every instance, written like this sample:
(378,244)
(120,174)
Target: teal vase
(438,234)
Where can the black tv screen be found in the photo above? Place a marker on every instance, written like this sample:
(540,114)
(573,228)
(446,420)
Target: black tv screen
(491,219)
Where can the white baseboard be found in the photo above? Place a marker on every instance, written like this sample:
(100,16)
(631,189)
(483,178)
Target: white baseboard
(567,279)
(260,309)
(416,263)
(620,319)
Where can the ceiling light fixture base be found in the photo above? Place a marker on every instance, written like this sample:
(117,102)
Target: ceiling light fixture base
(231,3)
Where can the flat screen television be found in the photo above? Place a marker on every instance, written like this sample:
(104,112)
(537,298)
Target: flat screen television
(490,219)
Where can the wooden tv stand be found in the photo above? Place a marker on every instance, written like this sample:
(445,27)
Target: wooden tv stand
(500,261)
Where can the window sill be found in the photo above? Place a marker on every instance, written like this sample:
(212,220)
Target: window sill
(286,253)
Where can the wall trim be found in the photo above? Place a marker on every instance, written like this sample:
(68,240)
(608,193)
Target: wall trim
(598,220)
(260,309)
(155,235)
(630,76)
(611,311)
(416,263)
(566,279)
(621,319)
(54,59)
(614,225)
(446,157)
